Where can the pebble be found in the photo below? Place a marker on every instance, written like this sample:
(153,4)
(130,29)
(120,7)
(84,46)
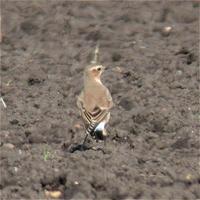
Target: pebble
(56,170)
(53,194)
(179,72)
(9,145)
(188,177)
(15,169)
(76,183)
(77,126)
(118,69)
(166,31)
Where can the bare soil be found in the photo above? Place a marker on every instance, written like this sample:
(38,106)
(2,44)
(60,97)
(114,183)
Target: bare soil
(153,146)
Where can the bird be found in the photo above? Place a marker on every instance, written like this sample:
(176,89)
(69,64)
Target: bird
(94,101)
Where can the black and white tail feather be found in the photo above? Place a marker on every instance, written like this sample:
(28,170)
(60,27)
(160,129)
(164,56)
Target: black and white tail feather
(91,128)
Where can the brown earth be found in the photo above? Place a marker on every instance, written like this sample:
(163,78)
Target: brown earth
(153,147)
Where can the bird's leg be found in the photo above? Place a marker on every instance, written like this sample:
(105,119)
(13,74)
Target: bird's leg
(84,140)
(86,136)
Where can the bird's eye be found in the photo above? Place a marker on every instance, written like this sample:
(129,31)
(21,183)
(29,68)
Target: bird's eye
(99,68)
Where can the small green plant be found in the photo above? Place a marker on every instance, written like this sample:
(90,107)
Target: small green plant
(47,155)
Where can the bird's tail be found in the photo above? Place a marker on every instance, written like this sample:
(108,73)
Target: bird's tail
(96,55)
(91,128)
(96,134)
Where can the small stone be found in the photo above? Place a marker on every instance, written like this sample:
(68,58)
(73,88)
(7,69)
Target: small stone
(7,133)
(76,183)
(179,72)
(77,126)
(9,145)
(166,31)
(188,177)
(118,69)
(56,170)
(15,169)
(53,194)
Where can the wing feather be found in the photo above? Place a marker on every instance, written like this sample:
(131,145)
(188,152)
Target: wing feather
(93,118)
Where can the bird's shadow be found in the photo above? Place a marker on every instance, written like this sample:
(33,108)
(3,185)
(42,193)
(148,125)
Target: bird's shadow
(80,147)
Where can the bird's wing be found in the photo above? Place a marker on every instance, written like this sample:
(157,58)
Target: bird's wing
(97,115)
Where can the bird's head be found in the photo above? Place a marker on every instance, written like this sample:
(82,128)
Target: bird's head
(94,71)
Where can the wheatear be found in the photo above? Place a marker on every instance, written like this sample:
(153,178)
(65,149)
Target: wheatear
(94,101)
